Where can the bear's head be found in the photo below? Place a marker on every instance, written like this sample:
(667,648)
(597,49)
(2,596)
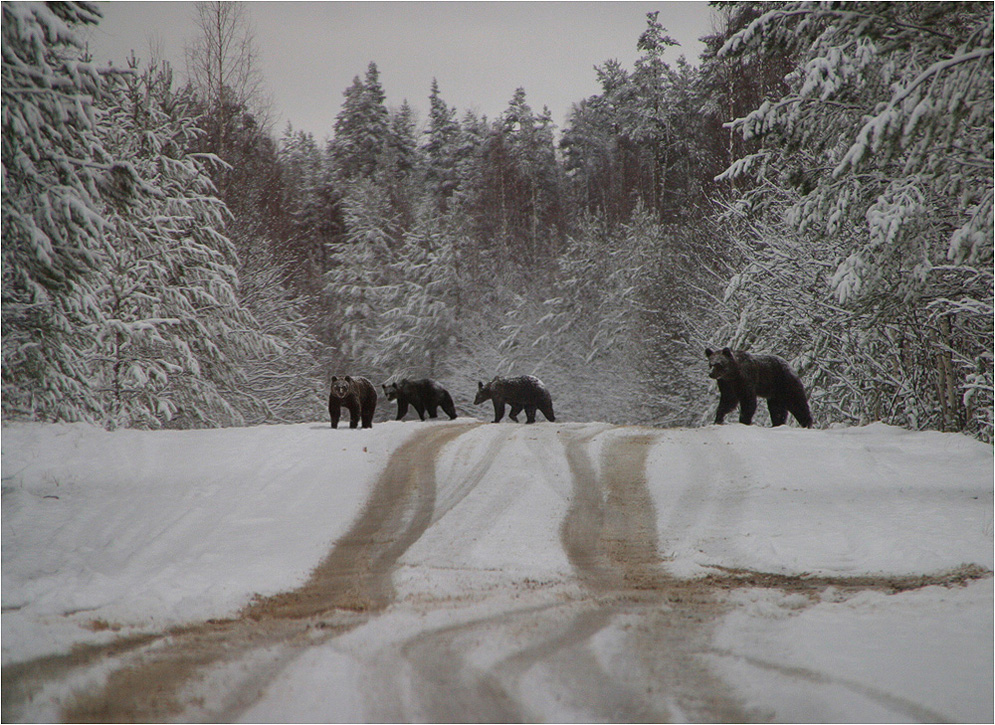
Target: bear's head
(341,386)
(721,364)
(390,391)
(483,393)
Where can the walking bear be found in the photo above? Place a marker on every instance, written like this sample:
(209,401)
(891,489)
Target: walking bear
(526,392)
(358,395)
(422,395)
(742,377)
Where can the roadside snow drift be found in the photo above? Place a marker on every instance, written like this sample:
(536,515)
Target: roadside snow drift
(567,572)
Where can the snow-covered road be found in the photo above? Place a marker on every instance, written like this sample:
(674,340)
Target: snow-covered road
(477,572)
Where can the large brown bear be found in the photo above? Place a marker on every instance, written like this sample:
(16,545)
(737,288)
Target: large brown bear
(356,394)
(422,395)
(742,377)
(526,392)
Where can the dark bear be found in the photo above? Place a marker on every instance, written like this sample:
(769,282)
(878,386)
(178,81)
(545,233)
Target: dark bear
(742,377)
(526,392)
(423,395)
(356,394)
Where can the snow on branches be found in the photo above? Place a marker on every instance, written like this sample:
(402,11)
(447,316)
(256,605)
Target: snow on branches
(886,136)
(120,295)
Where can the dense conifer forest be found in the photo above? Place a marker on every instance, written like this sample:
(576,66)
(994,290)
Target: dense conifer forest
(817,185)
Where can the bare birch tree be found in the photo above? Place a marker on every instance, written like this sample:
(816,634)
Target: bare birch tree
(223,60)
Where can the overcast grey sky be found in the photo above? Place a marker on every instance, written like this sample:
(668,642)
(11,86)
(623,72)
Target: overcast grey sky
(480,52)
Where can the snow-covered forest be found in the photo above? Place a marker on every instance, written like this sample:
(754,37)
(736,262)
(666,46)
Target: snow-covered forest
(818,185)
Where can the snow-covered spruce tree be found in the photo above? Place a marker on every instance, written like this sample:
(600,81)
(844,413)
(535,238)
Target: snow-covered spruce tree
(310,204)
(419,305)
(358,276)
(362,128)
(55,169)
(887,136)
(174,337)
(646,137)
(440,149)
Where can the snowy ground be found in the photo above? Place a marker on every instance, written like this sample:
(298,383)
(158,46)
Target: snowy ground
(459,571)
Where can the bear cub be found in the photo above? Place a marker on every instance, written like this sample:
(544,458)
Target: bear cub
(357,395)
(526,392)
(422,395)
(743,377)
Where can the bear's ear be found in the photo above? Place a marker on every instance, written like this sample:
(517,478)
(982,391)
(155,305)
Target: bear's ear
(334,378)
(348,379)
(727,352)
(480,385)
(708,352)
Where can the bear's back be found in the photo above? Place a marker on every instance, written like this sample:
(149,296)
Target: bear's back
(422,386)
(362,388)
(773,375)
(525,388)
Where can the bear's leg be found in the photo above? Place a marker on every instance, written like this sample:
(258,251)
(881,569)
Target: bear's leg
(353,406)
(516,408)
(778,411)
(747,407)
(419,408)
(448,407)
(369,408)
(432,410)
(498,410)
(727,401)
(402,408)
(334,412)
(530,414)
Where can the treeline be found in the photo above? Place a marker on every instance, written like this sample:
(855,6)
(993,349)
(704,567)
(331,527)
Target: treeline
(167,261)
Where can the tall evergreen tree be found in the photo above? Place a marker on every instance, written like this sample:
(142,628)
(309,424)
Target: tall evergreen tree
(310,203)
(362,127)
(359,271)
(56,172)
(440,148)
(419,306)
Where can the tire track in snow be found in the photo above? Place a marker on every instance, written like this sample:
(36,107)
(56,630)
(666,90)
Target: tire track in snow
(356,573)
(427,676)
(650,666)
(450,685)
(651,663)
(609,532)
(610,537)
(160,679)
